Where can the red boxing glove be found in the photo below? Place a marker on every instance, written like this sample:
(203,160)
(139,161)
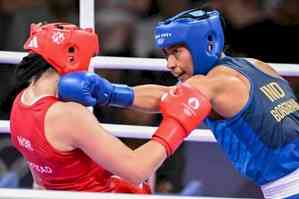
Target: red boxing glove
(119,185)
(183,109)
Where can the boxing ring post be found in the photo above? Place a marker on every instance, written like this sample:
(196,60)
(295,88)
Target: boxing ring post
(87,14)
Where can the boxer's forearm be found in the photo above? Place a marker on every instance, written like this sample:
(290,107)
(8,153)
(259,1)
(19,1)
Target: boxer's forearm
(147,97)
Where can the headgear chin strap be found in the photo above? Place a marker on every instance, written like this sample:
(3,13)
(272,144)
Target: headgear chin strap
(200,31)
(65,46)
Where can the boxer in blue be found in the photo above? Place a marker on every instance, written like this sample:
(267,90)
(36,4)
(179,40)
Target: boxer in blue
(255,115)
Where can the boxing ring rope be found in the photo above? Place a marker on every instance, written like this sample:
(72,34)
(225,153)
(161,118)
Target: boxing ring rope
(133,131)
(40,194)
(136,63)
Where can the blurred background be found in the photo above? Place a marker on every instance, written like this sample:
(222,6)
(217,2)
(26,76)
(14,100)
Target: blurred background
(262,29)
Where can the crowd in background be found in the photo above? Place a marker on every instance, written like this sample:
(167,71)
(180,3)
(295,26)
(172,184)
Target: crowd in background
(263,29)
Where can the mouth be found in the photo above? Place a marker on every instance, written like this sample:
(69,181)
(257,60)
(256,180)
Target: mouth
(180,75)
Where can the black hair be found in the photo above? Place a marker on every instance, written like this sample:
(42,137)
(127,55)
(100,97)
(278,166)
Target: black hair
(29,69)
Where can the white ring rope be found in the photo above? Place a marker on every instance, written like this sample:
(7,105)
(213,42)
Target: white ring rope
(134,131)
(135,63)
(41,194)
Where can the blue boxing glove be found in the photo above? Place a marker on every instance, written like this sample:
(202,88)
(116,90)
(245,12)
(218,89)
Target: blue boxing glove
(90,89)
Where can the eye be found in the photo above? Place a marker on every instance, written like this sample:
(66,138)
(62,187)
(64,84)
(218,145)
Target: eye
(171,52)
(176,53)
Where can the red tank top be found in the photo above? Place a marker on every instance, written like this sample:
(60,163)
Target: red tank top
(51,168)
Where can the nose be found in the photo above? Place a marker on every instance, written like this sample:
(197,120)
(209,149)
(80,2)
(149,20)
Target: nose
(171,62)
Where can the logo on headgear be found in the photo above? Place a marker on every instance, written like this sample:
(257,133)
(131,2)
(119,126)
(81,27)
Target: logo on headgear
(33,43)
(160,41)
(58,37)
(161,37)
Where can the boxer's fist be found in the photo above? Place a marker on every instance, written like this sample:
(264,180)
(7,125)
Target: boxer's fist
(78,87)
(185,104)
(119,185)
(91,89)
(183,109)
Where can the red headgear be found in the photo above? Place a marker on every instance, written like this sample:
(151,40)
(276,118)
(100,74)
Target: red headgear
(65,46)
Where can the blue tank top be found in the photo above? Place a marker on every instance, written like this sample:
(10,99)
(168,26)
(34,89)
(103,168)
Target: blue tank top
(262,140)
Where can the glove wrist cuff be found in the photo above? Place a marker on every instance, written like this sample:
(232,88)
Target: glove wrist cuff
(170,134)
(122,96)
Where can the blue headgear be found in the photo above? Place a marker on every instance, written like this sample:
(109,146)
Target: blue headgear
(197,29)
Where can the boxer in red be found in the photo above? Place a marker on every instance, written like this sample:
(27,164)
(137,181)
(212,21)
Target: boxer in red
(65,146)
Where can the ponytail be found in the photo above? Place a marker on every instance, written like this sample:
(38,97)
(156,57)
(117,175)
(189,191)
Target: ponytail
(29,69)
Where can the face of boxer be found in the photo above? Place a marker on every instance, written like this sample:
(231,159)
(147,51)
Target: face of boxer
(179,62)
